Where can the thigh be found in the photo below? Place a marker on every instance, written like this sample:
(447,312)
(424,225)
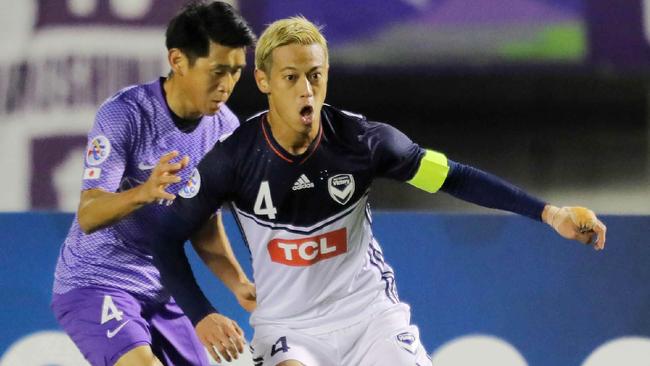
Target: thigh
(390,340)
(104,323)
(285,347)
(174,339)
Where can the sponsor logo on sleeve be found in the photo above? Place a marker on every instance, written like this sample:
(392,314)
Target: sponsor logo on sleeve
(304,252)
(191,188)
(98,150)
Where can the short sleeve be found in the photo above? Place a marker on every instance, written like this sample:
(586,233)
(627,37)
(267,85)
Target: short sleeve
(109,144)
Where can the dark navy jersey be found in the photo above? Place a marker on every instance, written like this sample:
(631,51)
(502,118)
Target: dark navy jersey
(304,218)
(334,173)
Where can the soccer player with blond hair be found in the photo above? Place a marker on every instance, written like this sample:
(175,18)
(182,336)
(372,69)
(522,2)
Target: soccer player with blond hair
(298,178)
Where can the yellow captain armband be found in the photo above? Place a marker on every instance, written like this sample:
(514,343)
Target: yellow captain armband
(432,172)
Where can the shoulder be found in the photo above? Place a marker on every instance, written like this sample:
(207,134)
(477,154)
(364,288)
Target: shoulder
(227,117)
(220,125)
(376,136)
(342,115)
(243,137)
(357,126)
(120,117)
(124,103)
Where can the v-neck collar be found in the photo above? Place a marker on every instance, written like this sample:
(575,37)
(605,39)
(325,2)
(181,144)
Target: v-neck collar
(281,152)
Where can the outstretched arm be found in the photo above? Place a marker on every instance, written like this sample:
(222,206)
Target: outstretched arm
(436,172)
(577,223)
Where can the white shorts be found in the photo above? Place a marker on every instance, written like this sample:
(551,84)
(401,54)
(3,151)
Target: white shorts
(385,339)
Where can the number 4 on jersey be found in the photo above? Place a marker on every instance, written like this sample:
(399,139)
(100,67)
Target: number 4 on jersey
(263,202)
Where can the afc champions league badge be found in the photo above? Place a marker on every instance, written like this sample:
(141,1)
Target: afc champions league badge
(98,150)
(191,188)
(341,187)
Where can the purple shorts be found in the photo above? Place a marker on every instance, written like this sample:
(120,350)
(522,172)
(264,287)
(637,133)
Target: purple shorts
(105,323)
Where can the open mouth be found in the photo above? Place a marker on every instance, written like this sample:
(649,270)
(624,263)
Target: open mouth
(306,110)
(306,114)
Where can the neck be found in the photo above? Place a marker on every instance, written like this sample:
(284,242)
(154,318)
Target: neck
(294,142)
(177,101)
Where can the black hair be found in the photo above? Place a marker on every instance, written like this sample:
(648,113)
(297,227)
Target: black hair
(200,22)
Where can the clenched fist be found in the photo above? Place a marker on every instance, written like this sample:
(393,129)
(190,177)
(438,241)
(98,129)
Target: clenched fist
(576,223)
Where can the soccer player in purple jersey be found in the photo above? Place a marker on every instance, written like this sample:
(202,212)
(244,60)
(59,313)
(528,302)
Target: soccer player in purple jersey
(107,293)
(298,178)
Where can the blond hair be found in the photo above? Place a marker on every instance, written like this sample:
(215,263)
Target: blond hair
(286,31)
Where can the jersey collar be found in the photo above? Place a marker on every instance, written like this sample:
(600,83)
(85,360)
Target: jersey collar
(280,151)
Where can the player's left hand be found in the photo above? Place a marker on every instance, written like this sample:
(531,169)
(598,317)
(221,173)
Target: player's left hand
(246,296)
(576,223)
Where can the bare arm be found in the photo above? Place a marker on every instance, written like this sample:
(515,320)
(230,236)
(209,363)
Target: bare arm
(98,208)
(212,245)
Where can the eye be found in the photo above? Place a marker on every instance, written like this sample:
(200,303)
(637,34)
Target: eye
(290,77)
(218,72)
(316,76)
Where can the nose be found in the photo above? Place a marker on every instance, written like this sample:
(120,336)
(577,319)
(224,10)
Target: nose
(226,84)
(306,89)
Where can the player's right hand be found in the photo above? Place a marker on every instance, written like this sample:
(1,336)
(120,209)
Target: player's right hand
(221,336)
(163,175)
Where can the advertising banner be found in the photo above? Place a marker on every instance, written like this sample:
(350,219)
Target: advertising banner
(483,289)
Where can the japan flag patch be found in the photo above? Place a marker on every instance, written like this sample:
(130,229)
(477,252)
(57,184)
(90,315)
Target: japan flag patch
(92,173)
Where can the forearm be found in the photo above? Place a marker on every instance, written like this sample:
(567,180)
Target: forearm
(177,277)
(484,189)
(99,209)
(227,269)
(212,245)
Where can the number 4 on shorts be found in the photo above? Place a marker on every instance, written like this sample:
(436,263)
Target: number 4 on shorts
(280,345)
(109,310)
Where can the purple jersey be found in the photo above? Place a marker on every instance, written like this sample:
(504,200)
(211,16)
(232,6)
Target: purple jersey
(132,130)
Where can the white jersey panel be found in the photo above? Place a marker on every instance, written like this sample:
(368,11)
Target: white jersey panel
(321,276)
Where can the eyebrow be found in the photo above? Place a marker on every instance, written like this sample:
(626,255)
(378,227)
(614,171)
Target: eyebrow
(291,68)
(228,67)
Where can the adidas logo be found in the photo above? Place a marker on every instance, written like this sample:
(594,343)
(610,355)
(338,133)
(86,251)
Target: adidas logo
(302,183)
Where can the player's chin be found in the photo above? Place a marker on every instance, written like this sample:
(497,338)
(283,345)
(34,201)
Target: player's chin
(213,107)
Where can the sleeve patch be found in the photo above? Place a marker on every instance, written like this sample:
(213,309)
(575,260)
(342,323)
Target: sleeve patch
(92,173)
(191,188)
(98,150)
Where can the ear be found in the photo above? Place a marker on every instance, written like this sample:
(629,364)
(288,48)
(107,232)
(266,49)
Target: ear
(177,61)
(262,80)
